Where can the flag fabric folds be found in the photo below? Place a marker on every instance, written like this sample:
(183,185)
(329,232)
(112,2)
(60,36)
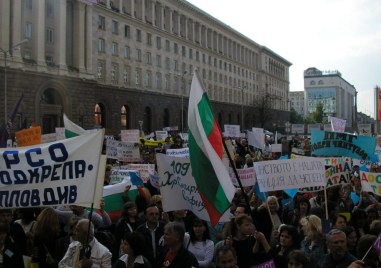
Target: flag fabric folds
(72,129)
(206,149)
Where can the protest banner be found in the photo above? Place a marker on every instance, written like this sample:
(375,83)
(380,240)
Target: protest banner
(289,174)
(343,163)
(335,177)
(60,133)
(119,174)
(183,152)
(130,135)
(337,124)
(232,131)
(364,129)
(297,128)
(123,151)
(246,175)
(326,143)
(267,264)
(311,127)
(29,136)
(143,170)
(50,137)
(327,127)
(51,174)
(178,188)
(371,182)
(161,134)
(256,139)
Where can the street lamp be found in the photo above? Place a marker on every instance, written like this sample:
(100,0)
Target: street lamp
(5,55)
(182,101)
(242,116)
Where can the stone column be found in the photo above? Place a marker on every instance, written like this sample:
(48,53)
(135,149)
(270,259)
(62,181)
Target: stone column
(89,39)
(79,36)
(38,34)
(16,27)
(60,36)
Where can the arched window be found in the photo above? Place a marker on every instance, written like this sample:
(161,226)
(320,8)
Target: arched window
(147,119)
(124,120)
(166,118)
(312,83)
(99,115)
(320,82)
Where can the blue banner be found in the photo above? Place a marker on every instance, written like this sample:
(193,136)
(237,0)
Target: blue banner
(327,143)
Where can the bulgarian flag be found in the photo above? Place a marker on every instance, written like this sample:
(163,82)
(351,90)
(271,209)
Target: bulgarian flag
(205,150)
(72,129)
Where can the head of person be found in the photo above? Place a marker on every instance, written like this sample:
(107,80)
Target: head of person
(83,233)
(108,173)
(226,257)
(241,209)
(345,190)
(304,206)
(152,214)
(272,204)
(244,224)
(133,244)
(297,259)
(339,222)
(199,230)
(129,210)
(365,242)
(351,234)
(156,200)
(174,234)
(337,244)
(312,228)
(359,218)
(47,225)
(288,237)
(6,216)
(375,227)
(77,210)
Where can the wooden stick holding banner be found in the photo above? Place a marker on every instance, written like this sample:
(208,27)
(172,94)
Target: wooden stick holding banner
(326,203)
(236,175)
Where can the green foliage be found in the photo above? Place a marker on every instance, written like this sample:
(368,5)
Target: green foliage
(318,115)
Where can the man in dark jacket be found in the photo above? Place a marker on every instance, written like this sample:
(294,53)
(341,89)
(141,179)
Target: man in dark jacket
(175,254)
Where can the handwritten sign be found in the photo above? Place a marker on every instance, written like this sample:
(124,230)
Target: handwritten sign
(144,170)
(289,174)
(123,151)
(178,188)
(371,182)
(232,131)
(130,135)
(268,264)
(183,152)
(246,175)
(338,124)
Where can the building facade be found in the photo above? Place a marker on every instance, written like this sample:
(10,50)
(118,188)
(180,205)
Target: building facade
(333,91)
(296,99)
(117,63)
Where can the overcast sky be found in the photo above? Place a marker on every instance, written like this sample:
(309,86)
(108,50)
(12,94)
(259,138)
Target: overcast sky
(343,35)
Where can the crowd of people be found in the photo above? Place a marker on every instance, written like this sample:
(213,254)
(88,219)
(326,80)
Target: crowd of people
(296,232)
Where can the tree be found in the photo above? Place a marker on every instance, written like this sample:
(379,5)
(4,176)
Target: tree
(295,118)
(263,106)
(318,115)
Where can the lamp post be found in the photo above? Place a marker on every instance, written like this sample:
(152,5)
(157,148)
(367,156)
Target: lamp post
(242,116)
(182,101)
(5,55)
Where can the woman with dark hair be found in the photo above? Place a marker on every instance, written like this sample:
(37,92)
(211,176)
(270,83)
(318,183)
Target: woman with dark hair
(339,222)
(200,243)
(359,221)
(288,241)
(133,246)
(297,259)
(127,223)
(302,209)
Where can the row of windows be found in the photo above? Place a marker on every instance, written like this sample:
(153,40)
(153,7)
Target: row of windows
(190,53)
(49,33)
(166,82)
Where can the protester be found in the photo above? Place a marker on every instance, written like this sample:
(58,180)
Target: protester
(16,232)
(200,244)
(371,258)
(226,257)
(313,244)
(85,250)
(152,230)
(339,222)
(352,238)
(288,241)
(128,223)
(46,232)
(301,210)
(175,254)
(133,247)
(298,259)
(10,255)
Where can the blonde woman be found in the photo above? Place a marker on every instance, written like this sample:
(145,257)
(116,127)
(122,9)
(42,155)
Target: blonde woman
(313,244)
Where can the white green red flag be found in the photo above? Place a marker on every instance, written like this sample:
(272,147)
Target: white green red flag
(72,129)
(205,152)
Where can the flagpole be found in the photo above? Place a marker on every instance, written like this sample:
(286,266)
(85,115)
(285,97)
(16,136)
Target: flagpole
(326,203)
(236,175)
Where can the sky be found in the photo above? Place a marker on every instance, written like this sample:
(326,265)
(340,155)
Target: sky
(342,35)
